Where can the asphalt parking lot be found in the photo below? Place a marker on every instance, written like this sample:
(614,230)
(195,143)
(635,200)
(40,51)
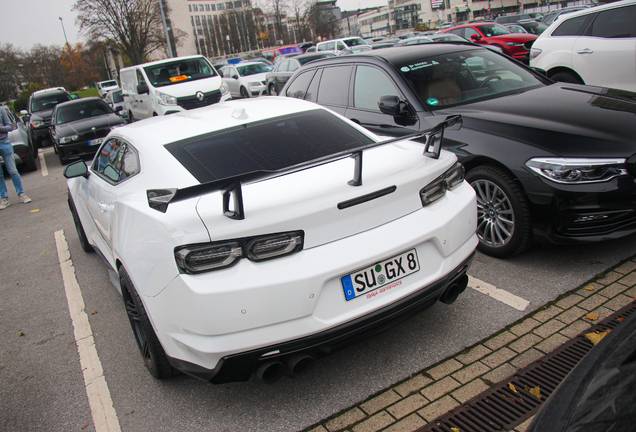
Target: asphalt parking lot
(43,382)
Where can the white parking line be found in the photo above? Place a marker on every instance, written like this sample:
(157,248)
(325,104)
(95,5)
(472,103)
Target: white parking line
(104,415)
(43,168)
(498,294)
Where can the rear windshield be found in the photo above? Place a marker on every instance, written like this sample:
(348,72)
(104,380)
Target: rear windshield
(493,30)
(47,102)
(266,146)
(166,74)
(354,41)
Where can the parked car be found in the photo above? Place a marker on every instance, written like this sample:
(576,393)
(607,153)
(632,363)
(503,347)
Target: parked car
(245,240)
(551,162)
(115,100)
(509,19)
(38,113)
(170,86)
(595,46)
(337,45)
(416,40)
(245,79)
(23,153)
(527,26)
(552,16)
(488,33)
(78,127)
(275,79)
(258,59)
(272,53)
(104,87)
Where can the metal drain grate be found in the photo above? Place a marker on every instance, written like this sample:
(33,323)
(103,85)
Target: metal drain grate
(501,409)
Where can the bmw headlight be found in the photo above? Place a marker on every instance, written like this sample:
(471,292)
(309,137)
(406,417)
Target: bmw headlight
(224,88)
(37,124)
(578,170)
(165,99)
(68,139)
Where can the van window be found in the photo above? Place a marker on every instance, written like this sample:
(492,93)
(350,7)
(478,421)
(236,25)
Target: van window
(351,42)
(168,73)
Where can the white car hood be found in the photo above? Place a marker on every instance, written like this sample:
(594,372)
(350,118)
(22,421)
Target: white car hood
(190,88)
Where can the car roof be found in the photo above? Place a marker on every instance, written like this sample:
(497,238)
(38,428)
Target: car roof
(49,91)
(587,10)
(168,60)
(404,54)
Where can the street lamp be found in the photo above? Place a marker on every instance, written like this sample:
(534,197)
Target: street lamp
(70,54)
(165,28)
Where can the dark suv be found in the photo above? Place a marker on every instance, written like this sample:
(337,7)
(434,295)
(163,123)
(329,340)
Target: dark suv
(39,109)
(550,162)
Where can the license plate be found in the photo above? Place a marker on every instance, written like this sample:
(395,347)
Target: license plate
(95,142)
(382,275)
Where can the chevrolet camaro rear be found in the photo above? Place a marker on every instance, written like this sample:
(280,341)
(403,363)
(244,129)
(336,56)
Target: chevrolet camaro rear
(261,235)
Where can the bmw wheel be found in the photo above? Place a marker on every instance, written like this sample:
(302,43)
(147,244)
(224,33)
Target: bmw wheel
(152,352)
(503,215)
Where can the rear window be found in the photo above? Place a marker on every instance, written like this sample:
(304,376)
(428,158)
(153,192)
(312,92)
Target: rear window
(266,146)
(291,50)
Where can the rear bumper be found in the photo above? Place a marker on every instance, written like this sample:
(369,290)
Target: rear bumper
(239,367)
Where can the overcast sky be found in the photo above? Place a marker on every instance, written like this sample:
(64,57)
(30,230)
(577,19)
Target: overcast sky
(28,22)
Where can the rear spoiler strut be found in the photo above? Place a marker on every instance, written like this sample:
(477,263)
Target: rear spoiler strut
(159,199)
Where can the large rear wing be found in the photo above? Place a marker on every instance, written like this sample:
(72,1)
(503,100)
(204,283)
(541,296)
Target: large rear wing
(231,187)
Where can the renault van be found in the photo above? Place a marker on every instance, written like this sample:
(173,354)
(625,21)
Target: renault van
(171,85)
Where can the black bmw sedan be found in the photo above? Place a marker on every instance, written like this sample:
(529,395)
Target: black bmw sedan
(78,127)
(550,162)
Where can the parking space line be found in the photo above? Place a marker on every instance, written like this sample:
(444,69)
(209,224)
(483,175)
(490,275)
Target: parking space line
(104,415)
(43,167)
(498,294)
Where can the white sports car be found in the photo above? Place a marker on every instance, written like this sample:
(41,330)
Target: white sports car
(255,236)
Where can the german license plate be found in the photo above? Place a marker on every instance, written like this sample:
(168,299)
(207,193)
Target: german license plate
(382,275)
(95,142)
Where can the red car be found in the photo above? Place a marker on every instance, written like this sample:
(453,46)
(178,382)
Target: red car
(490,33)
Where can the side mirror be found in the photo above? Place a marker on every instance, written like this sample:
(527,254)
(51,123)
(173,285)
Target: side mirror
(142,88)
(392,105)
(474,37)
(76,169)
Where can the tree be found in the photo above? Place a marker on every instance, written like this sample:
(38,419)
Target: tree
(322,21)
(10,71)
(134,26)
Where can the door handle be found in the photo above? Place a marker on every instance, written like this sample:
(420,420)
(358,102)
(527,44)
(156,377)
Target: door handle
(586,51)
(103,207)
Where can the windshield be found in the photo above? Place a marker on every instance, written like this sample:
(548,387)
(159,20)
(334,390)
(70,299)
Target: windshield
(166,74)
(351,42)
(81,110)
(466,76)
(253,69)
(108,84)
(493,30)
(48,102)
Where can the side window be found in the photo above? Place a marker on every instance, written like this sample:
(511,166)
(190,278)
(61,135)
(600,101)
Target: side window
(334,85)
(615,23)
(573,26)
(341,46)
(293,65)
(116,161)
(140,77)
(331,46)
(370,84)
(284,66)
(298,87)
(458,32)
(469,32)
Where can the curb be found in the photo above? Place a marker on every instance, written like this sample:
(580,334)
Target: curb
(431,393)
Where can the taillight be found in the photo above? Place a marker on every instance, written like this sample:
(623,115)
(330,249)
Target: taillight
(452,178)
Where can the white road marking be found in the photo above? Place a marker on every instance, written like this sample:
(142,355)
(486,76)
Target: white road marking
(104,415)
(43,167)
(498,294)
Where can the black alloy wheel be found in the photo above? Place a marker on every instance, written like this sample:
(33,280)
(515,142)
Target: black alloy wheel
(81,234)
(272,90)
(504,228)
(152,352)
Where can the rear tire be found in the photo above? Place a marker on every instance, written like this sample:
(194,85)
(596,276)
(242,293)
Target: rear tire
(244,93)
(152,352)
(272,90)
(567,77)
(29,162)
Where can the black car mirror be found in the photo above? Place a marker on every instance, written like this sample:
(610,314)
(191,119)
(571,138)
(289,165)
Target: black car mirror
(142,88)
(392,105)
(76,169)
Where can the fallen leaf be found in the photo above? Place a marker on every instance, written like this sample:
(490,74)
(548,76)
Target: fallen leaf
(455,429)
(512,388)
(85,426)
(592,316)
(596,337)
(621,319)
(536,392)
(508,397)
(62,288)
(34,210)
(20,334)
(590,288)
(93,313)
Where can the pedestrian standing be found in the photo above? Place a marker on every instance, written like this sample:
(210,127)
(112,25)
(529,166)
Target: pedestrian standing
(6,150)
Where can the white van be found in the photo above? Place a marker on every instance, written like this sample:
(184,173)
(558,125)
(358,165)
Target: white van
(337,45)
(171,85)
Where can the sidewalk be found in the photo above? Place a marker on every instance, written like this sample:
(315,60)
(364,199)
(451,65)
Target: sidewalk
(431,393)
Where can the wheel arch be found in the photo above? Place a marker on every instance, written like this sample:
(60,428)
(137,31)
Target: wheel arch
(564,69)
